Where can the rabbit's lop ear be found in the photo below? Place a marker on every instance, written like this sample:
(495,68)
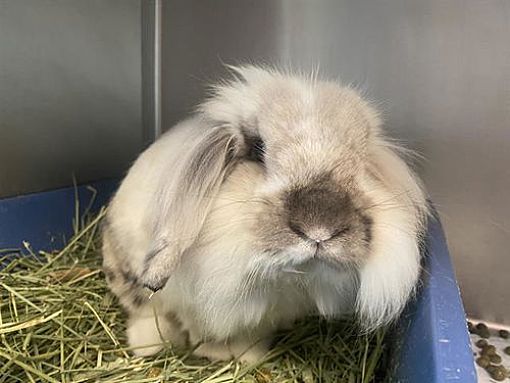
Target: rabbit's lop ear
(389,277)
(184,202)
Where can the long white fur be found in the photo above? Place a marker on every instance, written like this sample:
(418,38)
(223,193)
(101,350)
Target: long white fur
(221,290)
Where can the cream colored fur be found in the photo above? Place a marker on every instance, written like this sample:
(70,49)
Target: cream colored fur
(220,286)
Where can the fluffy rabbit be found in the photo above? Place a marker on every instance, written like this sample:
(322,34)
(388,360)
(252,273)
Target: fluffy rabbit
(279,198)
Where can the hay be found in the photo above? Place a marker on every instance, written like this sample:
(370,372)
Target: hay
(59,323)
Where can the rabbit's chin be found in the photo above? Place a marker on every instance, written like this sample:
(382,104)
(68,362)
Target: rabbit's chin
(302,258)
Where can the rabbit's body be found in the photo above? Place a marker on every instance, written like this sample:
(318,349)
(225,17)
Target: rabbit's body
(216,295)
(235,247)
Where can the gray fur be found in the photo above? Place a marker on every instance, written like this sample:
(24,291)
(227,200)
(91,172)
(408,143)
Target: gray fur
(202,175)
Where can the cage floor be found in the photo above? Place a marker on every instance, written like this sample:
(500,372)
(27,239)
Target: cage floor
(498,342)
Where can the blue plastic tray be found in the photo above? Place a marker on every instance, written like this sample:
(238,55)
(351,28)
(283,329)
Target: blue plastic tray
(432,342)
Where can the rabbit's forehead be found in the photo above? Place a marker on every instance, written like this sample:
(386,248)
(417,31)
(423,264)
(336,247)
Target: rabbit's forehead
(317,133)
(324,114)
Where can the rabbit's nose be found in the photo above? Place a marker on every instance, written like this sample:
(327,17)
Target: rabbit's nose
(319,234)
(315,234)
(318,213)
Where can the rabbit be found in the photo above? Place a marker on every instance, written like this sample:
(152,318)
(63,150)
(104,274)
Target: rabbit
(279,198)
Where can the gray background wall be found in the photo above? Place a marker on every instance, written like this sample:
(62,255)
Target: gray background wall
(440,69)
(70,91)
(70,94)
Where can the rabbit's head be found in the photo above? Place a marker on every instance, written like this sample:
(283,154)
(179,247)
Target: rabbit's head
(334,190)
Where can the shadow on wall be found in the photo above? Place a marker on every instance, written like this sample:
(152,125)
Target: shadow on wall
(70,94)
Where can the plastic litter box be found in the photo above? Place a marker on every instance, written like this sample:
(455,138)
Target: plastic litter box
(431,342)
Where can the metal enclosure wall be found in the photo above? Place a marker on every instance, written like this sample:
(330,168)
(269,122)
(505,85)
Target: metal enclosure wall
(198,37)
(441,71)
(70,91)
(71,101)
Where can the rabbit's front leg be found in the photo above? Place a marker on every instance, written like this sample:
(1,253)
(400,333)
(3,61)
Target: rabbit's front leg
(244,349)
(147,332)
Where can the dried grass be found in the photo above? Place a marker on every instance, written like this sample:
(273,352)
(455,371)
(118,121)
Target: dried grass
(59,323)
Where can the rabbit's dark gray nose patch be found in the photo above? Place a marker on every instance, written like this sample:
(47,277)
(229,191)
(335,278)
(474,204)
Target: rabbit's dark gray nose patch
(319,213)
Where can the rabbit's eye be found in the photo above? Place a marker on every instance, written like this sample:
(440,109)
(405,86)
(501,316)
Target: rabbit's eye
(256,149)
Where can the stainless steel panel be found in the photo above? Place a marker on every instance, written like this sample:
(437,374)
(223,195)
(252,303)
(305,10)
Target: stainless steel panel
(199,36)
(151,70)
(70,91)
(440,70)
